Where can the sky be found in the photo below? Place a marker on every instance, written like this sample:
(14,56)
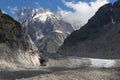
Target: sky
(82,10)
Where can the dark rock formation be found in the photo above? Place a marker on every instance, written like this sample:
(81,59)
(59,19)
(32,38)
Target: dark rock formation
(99,38)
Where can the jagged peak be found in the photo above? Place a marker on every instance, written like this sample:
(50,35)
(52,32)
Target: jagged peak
(35,14)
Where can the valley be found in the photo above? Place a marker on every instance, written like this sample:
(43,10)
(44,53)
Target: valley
(39,44)
(67,68)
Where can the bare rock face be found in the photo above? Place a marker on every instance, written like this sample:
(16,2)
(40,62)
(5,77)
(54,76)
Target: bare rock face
(99,38)
(116,11)
(15,44)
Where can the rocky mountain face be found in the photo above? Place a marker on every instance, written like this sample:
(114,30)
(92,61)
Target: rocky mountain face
(15,44)
(46,28)
(99,38)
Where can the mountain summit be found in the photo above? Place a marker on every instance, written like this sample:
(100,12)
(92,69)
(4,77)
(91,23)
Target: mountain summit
(99,38)
(46,28)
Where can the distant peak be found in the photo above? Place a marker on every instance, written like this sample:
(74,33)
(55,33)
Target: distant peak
(35,14)
(42,16)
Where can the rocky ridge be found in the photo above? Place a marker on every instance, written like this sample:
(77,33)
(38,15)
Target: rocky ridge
(99,38)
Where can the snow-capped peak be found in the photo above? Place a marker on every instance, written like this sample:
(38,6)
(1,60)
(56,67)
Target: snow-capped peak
(24,14)
(35,14)
(42,16)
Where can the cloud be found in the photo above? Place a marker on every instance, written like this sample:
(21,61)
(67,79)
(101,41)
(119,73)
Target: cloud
(82,11)
(62,12)
(13,10)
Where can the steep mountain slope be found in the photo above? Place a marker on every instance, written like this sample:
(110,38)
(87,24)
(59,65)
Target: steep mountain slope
(46,28)
(99,38)
(15,44)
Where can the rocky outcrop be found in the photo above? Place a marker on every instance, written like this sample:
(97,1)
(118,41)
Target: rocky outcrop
(15,44)
(99,38)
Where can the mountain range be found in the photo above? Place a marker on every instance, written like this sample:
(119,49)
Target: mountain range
(45,28)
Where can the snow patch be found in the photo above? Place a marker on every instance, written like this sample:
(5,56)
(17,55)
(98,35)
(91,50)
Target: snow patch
(112,20)
(102,63)
(43,16)
(22,14)
(39,35)
(91,62)
(58,31)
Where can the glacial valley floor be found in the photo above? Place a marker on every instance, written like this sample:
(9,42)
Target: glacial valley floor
(57,69)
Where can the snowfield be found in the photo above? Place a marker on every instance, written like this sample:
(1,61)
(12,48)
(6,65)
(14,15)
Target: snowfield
(102,63)
(93,62)
(73,62)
